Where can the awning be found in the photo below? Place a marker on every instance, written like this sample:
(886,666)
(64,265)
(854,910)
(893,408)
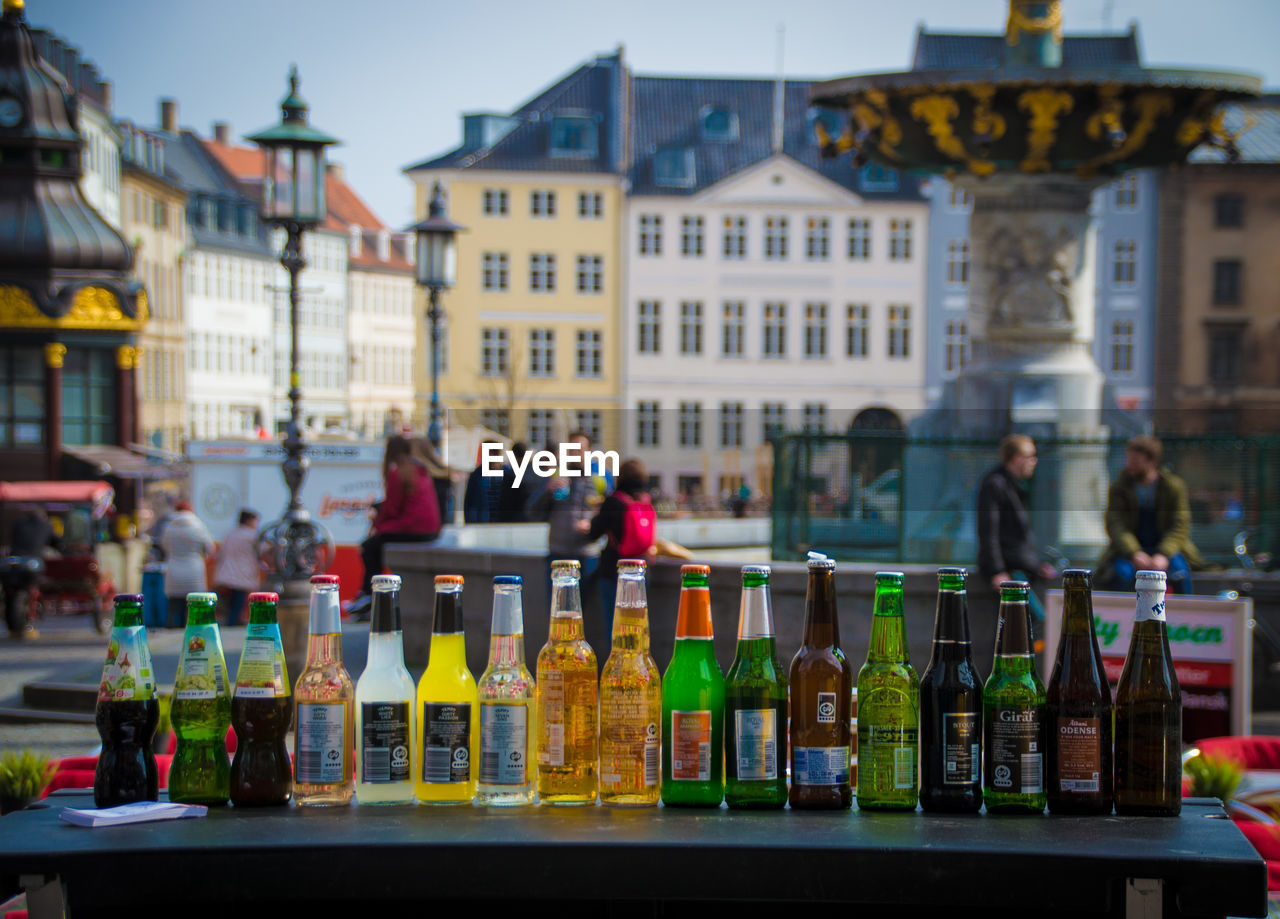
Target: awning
(59,495)
(108,460)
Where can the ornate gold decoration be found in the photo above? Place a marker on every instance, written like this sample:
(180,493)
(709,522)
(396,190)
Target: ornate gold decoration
(1213,130)
(13,6)
(97,308)
(143,309)
(871,112)
(985,119)
(936,113)
(55,353)
(127,357)
(1020,21)
(1045,105)
(18,309)
(1150,106)
(842,144)
(1106,120)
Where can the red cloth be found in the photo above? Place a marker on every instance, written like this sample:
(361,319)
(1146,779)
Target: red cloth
(77,772)
(1266,839)
(1250,752)
(409,511)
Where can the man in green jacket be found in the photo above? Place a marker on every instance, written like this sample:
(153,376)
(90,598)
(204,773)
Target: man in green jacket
(1148,521)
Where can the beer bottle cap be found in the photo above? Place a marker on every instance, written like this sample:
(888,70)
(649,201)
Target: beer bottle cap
(202,598)
(1150,580)
(264,596)
(632,563)
(442,580)
(508,580)
(695,569)
(819,562)
(385,582)
(329,580)
(891,577)
(128,599)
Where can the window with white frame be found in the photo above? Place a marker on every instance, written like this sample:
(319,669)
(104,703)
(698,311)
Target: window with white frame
(815,417)
(649,327)
(494,352)
(590,274)
(590,205)
(857,329)
(497,420)
(733,328)
(1127,192)
(899,331)
(899,240)
(1126,263)
(649,238)
(542,352)
(493,272)
(1122,346)
(815,330)
(735,237)
(495,202)
(775,238)
(589,364)
(691,327)
(859,238)
(817,239)
(691,424)
(773,419)
(731,424)
(648,425)
(775,330)
(955,346)
(542,272)
(692,233)
(958,261)
(959,199)
(542,204)
(540,428)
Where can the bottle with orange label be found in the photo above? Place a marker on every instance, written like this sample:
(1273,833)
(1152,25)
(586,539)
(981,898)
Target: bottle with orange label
(693,702)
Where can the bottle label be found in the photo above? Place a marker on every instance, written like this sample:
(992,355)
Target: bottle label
(261,671)
(691,746)
(827,708)
(961,745)
(1150,606)
(630,743)
(384,742)
(756,735)
(1016,758)
(446,742)
(887,754)
(127,674)
(504,731)
(321,743)
(551,751)
(1079,754)
(820,766)
(201,670)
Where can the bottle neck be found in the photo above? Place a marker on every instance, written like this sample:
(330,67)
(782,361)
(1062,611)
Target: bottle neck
(755,618)
(200,615)
(447,618)
(324,649)
(566,610)
(631,593)
(1150,605)
(951,622)
(888,629)
(506,650)
(386,612)
(326,615)
(127,616)
(262,614)
(821,625)
(694,617)
(508,613)
(1013,630)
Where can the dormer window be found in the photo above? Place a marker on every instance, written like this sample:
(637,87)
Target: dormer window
(879,178)
(384,245)
(248,222)
(719,124)
(574,136)
(673,167)
(355,236)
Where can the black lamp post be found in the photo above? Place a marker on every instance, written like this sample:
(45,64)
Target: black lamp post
(437,266)
(295,547)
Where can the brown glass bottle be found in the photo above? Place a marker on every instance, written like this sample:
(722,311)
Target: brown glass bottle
(1149,713)
(951,707)
(821,695)
(1078,709)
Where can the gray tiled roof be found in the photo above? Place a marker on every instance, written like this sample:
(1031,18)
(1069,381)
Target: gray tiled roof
(948,51)
(200,174)
(1258,122)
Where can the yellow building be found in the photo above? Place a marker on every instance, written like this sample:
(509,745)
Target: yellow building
(532,347)
(153,220)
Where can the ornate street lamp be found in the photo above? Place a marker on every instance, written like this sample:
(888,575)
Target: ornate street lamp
(437,267)
(295,547)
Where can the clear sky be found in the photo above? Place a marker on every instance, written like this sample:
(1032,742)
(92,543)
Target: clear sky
(391,77)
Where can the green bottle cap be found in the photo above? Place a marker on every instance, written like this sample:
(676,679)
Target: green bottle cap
(202,600)
(695,575)
(1014,591)
(889,578)
(755,575)
(951,578)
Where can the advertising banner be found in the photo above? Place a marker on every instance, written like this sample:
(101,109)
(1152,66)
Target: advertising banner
(1212,655)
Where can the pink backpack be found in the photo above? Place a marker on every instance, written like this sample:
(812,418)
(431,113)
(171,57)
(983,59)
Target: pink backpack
(639,523)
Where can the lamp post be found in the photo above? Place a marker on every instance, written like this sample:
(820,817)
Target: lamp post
(436,270)
(294,547)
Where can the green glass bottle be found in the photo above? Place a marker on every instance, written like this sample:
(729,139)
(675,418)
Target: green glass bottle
(1013,713)
(201,713)
(693,702)
(755,704)
(261,709)
(127,712)
(888,707)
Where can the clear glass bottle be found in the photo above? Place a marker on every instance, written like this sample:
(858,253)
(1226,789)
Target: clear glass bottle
(448,705)
(384,706)
(1013,704)
(630,700)
(507,707)
(324,699)
(566,695)
(201,712)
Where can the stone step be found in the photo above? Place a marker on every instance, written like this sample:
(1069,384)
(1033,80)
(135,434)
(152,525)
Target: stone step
(64,697)
(43,716)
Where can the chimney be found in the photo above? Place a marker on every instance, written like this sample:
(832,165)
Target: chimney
(336,172)
(222,133)
(107,92)
(169,116)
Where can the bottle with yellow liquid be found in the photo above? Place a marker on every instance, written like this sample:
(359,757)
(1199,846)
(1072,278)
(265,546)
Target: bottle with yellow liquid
(630,701)
(448,706)
(566,695)
(507,707)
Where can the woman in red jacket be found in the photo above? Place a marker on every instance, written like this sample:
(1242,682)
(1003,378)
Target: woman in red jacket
(409,511)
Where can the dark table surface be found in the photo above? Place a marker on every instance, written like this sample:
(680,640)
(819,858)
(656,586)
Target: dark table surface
(911,862)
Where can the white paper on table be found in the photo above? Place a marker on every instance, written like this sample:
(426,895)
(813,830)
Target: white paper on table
(144,812)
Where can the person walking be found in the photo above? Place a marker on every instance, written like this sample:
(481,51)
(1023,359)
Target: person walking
(238,571)
(1148,521)
(186,542)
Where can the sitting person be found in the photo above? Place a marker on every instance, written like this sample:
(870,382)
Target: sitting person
(1148,521)
(409,512)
